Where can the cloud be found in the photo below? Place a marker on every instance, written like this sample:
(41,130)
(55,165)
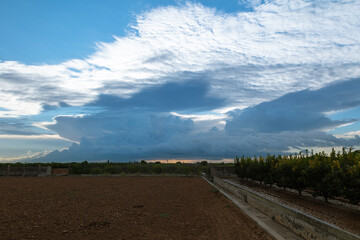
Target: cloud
(125,132)
(217,144)
(162,90)
(214,144)
(348,134)
(16,148)
(278,48)
(18,136)
(300,111)
(172,96)
(250,3)
(20,126)
(145,112)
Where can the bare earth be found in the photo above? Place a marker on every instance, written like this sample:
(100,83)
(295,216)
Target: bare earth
(341,216)
(119,208)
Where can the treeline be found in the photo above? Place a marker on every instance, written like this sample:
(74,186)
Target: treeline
(137,168)
(127,168)
(334,175)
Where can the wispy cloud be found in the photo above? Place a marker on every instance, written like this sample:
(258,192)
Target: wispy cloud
(17,136)
(348,134)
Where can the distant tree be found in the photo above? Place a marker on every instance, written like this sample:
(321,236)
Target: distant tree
(203,163)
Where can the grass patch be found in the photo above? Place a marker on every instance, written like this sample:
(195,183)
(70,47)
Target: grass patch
(164,215)
(72,194)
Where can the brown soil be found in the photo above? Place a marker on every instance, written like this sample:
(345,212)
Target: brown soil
(341,216)
(119,208)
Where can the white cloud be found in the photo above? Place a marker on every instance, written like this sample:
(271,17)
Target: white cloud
(250,57)
(23,158)
(199,117)
(14,147)
(348,134)
(42,136)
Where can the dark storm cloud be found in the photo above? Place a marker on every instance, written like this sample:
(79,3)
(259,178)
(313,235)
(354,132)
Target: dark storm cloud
(143,117)
(141,127)
(188,96)
(299,111)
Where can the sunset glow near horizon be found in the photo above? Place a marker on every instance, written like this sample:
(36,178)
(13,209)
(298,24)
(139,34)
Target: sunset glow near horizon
(177,80)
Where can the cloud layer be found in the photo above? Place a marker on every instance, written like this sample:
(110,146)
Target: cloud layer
(166,88)
(123,132)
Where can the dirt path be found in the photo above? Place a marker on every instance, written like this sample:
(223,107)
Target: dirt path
(119,208)
(341,216)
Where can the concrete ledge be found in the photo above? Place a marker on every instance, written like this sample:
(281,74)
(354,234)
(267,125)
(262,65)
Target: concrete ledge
(300,223)
(274,229)
(133,175)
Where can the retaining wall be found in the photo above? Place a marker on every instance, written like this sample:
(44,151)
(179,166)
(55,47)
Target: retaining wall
(300,223)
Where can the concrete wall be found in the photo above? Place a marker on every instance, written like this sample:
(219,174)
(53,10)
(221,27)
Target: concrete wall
(3,170)
(300,223)
(15,170)
(60,171)
(222,172)
(24,170)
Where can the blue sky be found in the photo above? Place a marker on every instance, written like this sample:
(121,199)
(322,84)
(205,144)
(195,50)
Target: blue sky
(130,80)
(41,31)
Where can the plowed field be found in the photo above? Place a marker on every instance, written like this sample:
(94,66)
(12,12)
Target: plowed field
(119,208)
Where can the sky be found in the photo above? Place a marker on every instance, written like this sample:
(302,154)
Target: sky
(131,80)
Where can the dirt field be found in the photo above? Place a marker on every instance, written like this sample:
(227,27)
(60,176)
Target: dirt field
(119,208)
(341,216)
